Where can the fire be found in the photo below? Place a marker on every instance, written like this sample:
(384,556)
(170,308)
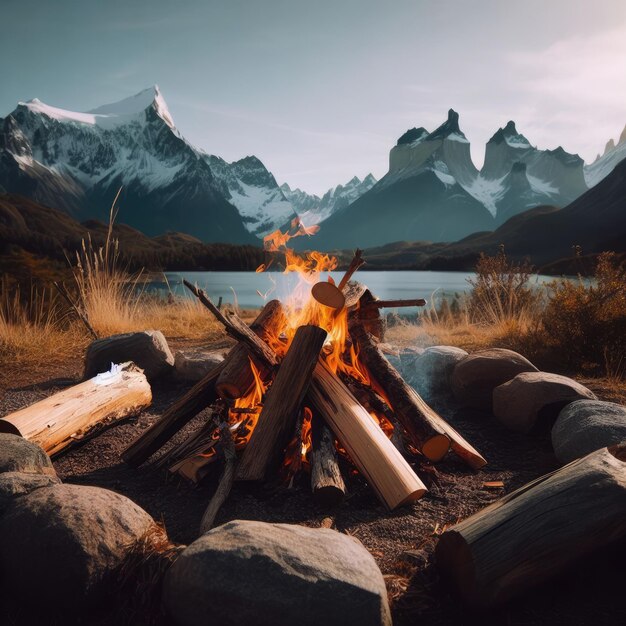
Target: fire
(247,407)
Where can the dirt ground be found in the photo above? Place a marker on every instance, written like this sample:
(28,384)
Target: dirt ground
(402,541)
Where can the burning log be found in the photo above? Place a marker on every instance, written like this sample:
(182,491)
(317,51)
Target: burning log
(368,315)
(179,414)
(70,415)
(371,451)
(326,479)
(416,417)
(538,531)
(282,404)
(226,480)
(236,378)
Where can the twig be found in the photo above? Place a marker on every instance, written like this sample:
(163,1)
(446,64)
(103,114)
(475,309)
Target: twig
(356,262)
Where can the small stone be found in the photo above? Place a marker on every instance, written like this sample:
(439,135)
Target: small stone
(147,349)
(20,455)
(247,572)
(533,399)
(476,376)
(587,425)
(193,365)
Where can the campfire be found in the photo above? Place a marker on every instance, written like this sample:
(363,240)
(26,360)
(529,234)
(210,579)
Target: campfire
(306,384)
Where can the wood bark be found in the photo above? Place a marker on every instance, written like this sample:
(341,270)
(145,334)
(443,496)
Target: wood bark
(326,479)
(417,418)
(375,456)
(538,531)
(180,413)
(282,404)
(68,416)
(236,378)
(394,304)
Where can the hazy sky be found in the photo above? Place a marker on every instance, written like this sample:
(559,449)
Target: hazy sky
(320,90)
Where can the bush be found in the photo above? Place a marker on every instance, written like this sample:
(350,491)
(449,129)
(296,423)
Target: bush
(501,291)
(586,321)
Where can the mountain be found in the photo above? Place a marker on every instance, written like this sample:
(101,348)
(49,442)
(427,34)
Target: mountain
(254,191)
(605,163)
(313,209)
(78,161)
(420,197)
(553,177)
(596,222)
(433,191)
(36,241)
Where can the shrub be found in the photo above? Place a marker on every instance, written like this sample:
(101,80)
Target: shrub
(501,291)
(586,320)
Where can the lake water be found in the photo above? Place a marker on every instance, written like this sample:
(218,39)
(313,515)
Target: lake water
(244,287)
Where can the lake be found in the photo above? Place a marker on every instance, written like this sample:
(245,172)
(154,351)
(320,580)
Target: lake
(244,287)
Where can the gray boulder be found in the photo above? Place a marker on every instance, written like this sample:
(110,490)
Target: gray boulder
(147,349)
(19,455)
(15,484)
(404,361)
(66,541)
(193,365)
(534,399)
(587,425)
(476,376)
(432,370)
(247,572)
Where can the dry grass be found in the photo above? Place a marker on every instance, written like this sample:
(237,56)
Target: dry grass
(575,327)
(34,327)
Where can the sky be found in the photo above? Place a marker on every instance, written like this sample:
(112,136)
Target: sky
(321,90)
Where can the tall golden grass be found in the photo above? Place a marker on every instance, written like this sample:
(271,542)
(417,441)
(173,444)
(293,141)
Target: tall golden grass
(35,326)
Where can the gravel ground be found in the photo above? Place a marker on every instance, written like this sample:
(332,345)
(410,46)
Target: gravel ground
(401,541)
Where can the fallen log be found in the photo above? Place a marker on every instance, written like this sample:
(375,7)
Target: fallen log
(226,479)
(416,417)
(68,416)
(180,413)
(326,480)
(375,456)
(236,377)
(282,404)
(538,531)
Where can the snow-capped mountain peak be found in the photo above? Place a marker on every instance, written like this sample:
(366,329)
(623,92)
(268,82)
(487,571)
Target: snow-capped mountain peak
(108,115)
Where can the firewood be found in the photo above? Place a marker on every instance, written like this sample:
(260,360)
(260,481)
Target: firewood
(282,404)
(326,479)
(412,412)
(236,378)
(353,292)
(356,262)
(369,316)
(375,456)
(226,479)
(236,328)
(179,414)
(200,440)
(394,304)
(68,416)
(544,528)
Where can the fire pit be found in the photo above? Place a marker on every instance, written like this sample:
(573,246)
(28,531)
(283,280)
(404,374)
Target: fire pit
(306,384)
